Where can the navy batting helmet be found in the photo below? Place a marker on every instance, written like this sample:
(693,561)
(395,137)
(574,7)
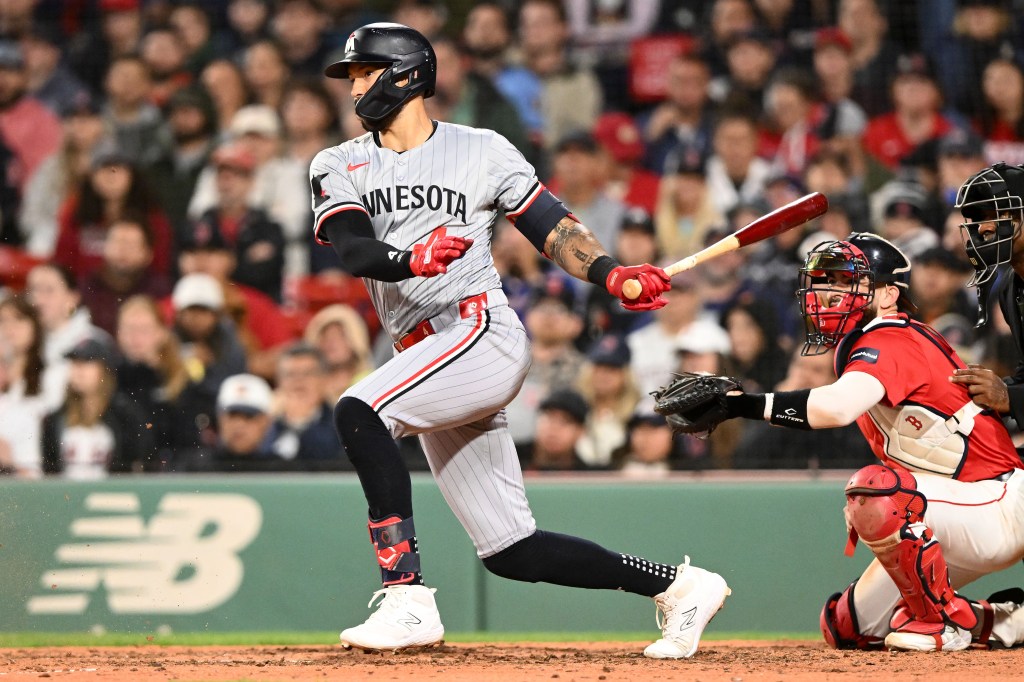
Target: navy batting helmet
(405,53)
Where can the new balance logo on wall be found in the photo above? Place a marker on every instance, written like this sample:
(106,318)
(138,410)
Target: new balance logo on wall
(185,560)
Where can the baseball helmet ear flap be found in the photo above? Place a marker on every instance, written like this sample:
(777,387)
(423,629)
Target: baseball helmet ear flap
(411,67)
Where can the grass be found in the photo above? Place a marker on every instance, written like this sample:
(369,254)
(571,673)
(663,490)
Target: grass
(49,639)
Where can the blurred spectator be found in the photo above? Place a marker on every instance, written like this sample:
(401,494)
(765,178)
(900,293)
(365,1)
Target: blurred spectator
(29,132)
(636,244)
(701,346)
(873,54)
(755,356)
(903,220)
(97,431)
(134,122)
(578,180)
(426,16)
(763,446)
(686,208)
(830,173)
(299,26)
(559,426)
(626,181)
(937,288)
(266,72)
(1000,118)
(49,80)
(114,190)
(916,116)
(842,120)
(59,175)
(649,448)
(750,57)
(226,85)
(91,53)
(571,95)
(124,272)
(261,326)
(303,432)
(791,23)
(191,22)
(466,98)
(152,374)
(727,19)
(28,391)
(192,123)
(248,23)
(521,268)
(341,336)
(244,405)
(310,120)
(982,30)
(54,294)
(960,155)
(255,239)
(210,347)
(553,324)
(164,53)
(279,187)
(735,172)
(348,15)
(606,383)
(725,279)
(684,119)
(653,346)
(790,102)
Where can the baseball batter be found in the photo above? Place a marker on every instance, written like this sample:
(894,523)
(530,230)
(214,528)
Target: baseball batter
(946,506)
(409,207)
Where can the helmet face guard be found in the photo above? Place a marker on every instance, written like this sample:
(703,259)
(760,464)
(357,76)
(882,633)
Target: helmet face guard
(992,221)
(830,270)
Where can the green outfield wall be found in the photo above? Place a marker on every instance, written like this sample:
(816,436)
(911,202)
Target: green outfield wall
(278,552)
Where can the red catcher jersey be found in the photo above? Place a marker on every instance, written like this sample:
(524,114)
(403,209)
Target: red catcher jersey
(913,362)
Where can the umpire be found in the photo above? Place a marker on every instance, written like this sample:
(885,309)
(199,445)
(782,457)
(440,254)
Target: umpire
(992,204)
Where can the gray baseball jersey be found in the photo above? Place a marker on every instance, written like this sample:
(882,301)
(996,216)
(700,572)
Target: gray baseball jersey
(457,179)
(451,387)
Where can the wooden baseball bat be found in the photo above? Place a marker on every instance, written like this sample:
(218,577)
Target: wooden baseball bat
(784,218)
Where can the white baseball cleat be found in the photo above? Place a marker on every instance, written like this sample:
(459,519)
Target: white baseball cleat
(953,639)
(685,609)
(406,618)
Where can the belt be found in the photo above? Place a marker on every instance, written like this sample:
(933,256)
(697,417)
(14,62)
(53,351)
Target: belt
(467,307)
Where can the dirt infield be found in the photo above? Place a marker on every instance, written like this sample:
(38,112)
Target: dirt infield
(505,662)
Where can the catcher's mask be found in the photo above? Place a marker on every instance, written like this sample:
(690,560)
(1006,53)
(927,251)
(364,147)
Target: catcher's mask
(850,269)
(404,52)
(990,202)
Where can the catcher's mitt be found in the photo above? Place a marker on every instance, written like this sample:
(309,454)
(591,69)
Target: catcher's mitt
(695,403)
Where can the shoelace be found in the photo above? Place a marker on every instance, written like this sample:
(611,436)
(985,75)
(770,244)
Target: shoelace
(392,600)
(659,610)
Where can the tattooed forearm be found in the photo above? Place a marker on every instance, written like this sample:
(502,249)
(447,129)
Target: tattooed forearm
(573,247)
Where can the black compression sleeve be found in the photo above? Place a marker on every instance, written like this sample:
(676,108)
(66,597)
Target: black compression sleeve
(360,253)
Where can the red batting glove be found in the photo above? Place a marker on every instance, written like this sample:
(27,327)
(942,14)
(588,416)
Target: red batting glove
(653,283)
(434,257)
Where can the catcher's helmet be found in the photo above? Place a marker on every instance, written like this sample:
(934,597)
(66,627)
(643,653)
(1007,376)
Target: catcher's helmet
(405,52)
(991,196)
(851,268)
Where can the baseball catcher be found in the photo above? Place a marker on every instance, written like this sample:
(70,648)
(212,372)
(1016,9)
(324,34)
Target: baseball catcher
(946,504)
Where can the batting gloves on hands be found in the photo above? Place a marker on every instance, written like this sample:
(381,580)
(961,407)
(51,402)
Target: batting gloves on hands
(434,257)
(653,282)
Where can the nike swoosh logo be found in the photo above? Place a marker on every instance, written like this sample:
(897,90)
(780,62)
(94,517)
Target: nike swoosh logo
(358,165)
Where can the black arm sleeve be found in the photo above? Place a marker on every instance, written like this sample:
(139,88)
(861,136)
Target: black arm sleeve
(539,217)
(360,253)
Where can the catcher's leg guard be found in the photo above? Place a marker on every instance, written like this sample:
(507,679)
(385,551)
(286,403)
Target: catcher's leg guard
(885,509)
(839,623)
(394,540)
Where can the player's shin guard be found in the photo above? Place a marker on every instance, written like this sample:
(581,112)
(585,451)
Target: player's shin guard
(886,511)
(394,541)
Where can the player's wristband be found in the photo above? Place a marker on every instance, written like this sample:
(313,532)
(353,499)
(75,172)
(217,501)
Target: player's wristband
(789,408)
(746,405)
(600,269)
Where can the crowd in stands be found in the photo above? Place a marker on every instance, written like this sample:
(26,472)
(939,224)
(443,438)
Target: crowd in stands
(165,309)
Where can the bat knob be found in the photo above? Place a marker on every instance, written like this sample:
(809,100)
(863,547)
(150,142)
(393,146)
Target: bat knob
(632,289)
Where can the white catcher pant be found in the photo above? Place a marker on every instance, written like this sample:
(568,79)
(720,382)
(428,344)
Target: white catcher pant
(450,389)
(980,526)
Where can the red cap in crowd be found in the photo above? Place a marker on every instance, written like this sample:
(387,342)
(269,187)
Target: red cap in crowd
(617,133)
(833,36)
(119,5)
